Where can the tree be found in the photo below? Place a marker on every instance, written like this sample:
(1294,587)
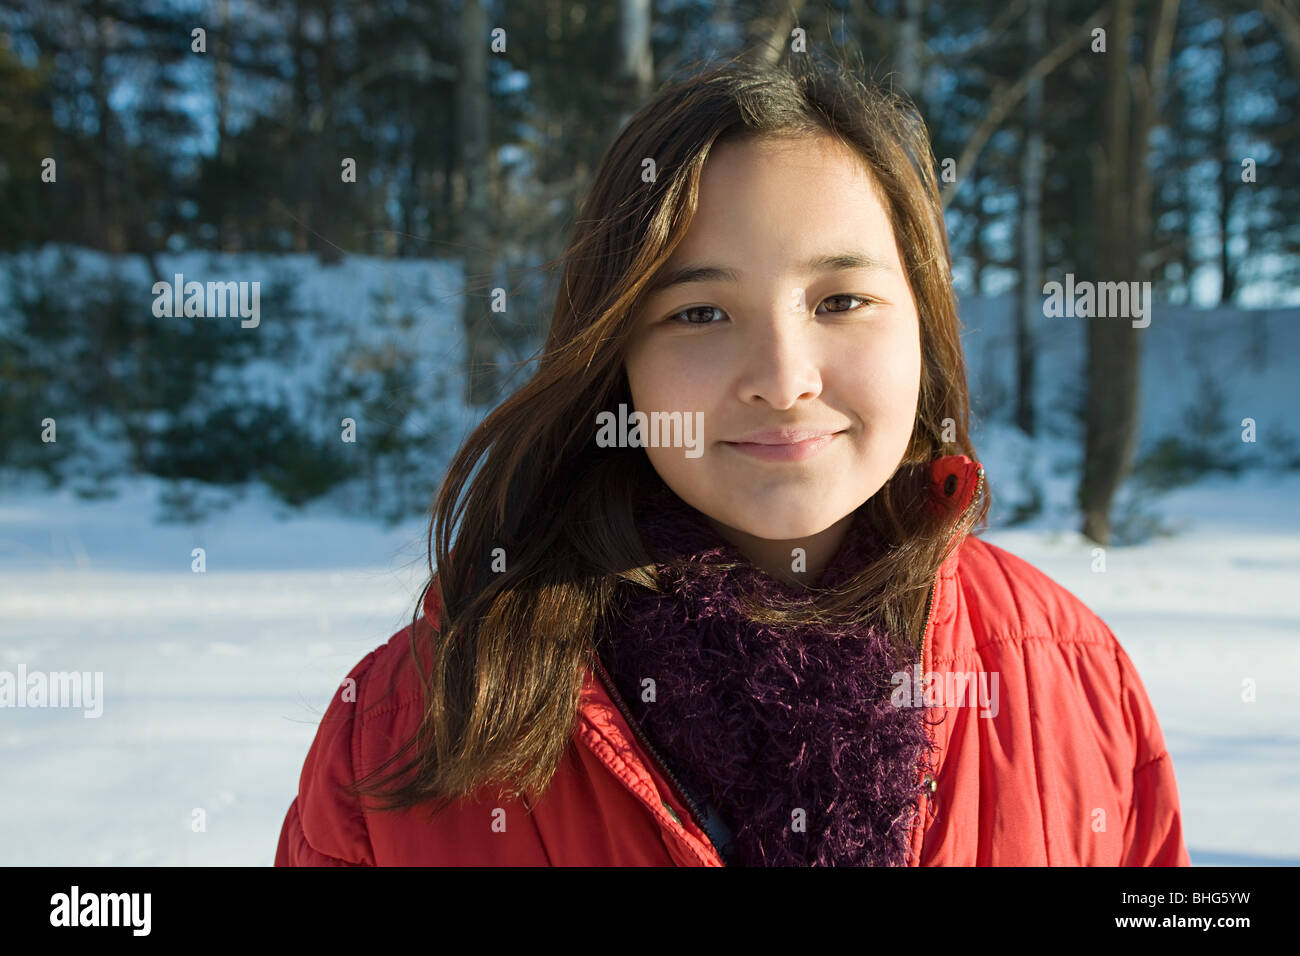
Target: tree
(1123,237)
(1031,232)
(475,233)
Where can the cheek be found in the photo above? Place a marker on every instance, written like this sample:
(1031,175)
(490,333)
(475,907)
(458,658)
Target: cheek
(884,380)
(644,383)
(661,381)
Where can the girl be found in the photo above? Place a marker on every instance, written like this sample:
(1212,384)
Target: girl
(712,597)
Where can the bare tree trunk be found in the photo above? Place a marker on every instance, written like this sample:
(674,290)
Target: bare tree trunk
(299,42)
(475,234)
(1285,14)
(1229,171)
(107,168)
(1159,44)
(1123,236)
(909,49)
(769,36)
(636,61)
(326,190)
(1112,347)
(227,227)
(414,197)
(1031,248)
(635,72)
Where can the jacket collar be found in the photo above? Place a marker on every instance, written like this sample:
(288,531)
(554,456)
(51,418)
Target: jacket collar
(954,481)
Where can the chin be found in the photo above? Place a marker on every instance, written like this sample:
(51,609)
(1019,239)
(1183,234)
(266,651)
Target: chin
(786,527)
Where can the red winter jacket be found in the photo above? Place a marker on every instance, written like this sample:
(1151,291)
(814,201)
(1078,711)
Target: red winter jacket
(1071,769)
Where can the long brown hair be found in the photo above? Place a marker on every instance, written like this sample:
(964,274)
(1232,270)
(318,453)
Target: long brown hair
(517,627)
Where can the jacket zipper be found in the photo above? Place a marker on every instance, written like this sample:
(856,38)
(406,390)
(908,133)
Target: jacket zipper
(929,605)
(693,811)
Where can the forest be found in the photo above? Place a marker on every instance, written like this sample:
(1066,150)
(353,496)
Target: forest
(1145,145)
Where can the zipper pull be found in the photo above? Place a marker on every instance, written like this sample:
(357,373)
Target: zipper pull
(671,812)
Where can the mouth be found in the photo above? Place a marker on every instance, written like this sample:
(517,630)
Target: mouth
(784,450)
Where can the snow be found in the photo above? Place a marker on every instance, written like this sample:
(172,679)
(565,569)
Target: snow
(214,682)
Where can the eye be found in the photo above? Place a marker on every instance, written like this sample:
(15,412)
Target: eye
(861,298)
(696,309)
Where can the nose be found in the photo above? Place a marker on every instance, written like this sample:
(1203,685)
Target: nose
(780,364)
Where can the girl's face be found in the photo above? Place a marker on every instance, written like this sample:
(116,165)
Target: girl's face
(790,315)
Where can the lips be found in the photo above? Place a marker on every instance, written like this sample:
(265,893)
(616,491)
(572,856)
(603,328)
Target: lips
(784,445)
(784,436)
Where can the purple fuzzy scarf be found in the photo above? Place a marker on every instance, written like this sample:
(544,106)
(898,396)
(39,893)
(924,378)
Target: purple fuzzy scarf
(756,722)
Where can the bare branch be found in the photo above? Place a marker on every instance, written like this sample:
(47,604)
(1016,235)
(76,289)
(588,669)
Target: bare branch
(1285,14)
(1006,100)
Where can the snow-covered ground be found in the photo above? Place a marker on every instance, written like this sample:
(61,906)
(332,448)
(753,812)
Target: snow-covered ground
(214,682)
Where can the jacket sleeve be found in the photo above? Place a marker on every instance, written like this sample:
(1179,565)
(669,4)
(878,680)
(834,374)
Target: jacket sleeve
(1153,830)
(325,825)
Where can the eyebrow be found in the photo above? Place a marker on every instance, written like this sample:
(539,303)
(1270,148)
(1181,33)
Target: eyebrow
(702,272)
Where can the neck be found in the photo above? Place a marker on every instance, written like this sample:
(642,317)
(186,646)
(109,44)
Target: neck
(775,558)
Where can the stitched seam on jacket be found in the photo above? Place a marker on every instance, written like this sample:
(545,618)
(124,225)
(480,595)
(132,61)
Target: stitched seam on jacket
(1020,614)
(655,812)
(355,754)
(532,818)
(1020,639)
(389,708)
(1011,588)
(1123,705)
(1034,749)
(1124,713)
(1033,718)
(302,833)
(1164,752)
(1154,760)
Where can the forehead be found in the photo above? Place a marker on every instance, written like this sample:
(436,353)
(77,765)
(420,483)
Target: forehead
(783,196)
